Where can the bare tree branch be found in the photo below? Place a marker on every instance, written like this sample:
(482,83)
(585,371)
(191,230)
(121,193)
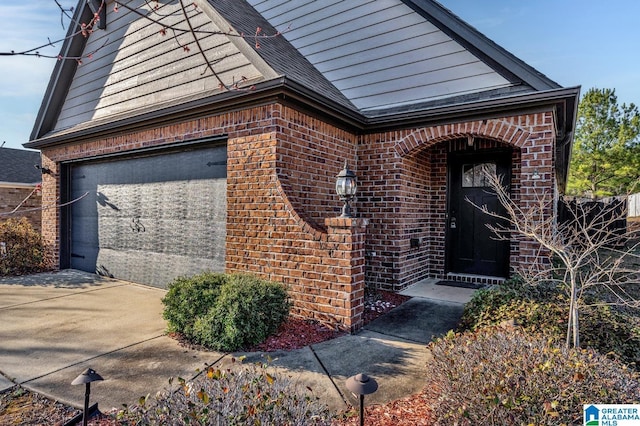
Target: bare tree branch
(593,254)
(45,207)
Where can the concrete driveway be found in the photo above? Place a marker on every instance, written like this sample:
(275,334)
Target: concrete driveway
(55,325)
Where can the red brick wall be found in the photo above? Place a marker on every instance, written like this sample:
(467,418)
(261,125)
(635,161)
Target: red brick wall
(404,189)
(280,176)
(280,192)
(11,197)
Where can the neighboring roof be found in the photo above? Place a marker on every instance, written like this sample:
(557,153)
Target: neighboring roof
(18,166)
(372,63)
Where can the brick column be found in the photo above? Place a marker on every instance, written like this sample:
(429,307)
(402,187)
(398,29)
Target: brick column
(348,235)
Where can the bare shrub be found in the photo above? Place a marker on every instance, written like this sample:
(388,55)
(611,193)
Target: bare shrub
(506,376)
(21,249)
(544,308)
(249,394)
(592,255)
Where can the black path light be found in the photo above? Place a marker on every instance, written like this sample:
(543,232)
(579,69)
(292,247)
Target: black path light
(361,385)
(87,377)
(346,188)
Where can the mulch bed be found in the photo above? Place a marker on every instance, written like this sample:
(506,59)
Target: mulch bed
(413,410)
(379,302)
(296,333)
(21,407)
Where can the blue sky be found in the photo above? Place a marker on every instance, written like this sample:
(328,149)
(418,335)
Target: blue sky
(591,43)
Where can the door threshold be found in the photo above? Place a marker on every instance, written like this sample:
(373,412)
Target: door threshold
(474,279)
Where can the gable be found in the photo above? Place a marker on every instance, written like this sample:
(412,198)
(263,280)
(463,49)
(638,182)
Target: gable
(385,54)
(135,67)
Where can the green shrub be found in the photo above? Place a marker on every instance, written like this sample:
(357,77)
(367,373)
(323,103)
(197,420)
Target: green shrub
(248,395)
(190,298)
(21,249)
(611,332)
(533,307)
(247,311)
(508,376)
(546,308)
(532,315)
(225,312)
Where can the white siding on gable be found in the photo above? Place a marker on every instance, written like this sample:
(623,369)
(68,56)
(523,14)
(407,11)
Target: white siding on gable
(134,66)
(379,53)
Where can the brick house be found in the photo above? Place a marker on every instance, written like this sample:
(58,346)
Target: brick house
(20,185)
(173,163)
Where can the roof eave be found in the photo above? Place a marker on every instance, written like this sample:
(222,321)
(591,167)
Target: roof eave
(481,109)
(563,102)
(284,89)
(19,185)
(264,92)
(61,76)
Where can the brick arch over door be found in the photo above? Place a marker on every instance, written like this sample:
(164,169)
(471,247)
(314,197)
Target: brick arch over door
(508,130)
(405,242)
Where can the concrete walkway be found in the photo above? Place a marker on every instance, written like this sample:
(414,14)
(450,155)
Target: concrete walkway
(55,325)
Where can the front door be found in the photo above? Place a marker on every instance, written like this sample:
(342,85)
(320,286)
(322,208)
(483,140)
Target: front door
(472,248)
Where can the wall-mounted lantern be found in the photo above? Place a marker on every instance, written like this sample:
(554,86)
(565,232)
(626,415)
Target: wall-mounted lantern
(346,188)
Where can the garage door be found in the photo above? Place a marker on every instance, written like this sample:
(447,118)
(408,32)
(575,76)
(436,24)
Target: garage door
(151,218)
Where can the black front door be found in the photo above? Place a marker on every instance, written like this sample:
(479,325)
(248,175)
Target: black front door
(472,248)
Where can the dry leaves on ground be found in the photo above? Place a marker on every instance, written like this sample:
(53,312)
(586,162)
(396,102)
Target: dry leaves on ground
(413,410)
(21,407)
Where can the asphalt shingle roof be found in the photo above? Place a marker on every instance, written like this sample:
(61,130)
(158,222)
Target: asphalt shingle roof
(17,165)
(285,59)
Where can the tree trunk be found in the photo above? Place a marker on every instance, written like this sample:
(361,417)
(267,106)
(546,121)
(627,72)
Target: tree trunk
(573,329)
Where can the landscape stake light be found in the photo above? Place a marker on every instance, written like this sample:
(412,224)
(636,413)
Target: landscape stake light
(346,188)
(89,375)
(361,385)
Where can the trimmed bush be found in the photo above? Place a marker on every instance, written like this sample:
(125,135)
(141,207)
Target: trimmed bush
(21,249)
(536,308)
(225,312)
(190,298)
(249,395)
(247,311)
(509,376)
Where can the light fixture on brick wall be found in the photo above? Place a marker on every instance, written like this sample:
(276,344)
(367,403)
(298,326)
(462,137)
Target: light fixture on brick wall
(346,188)
(535,175)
